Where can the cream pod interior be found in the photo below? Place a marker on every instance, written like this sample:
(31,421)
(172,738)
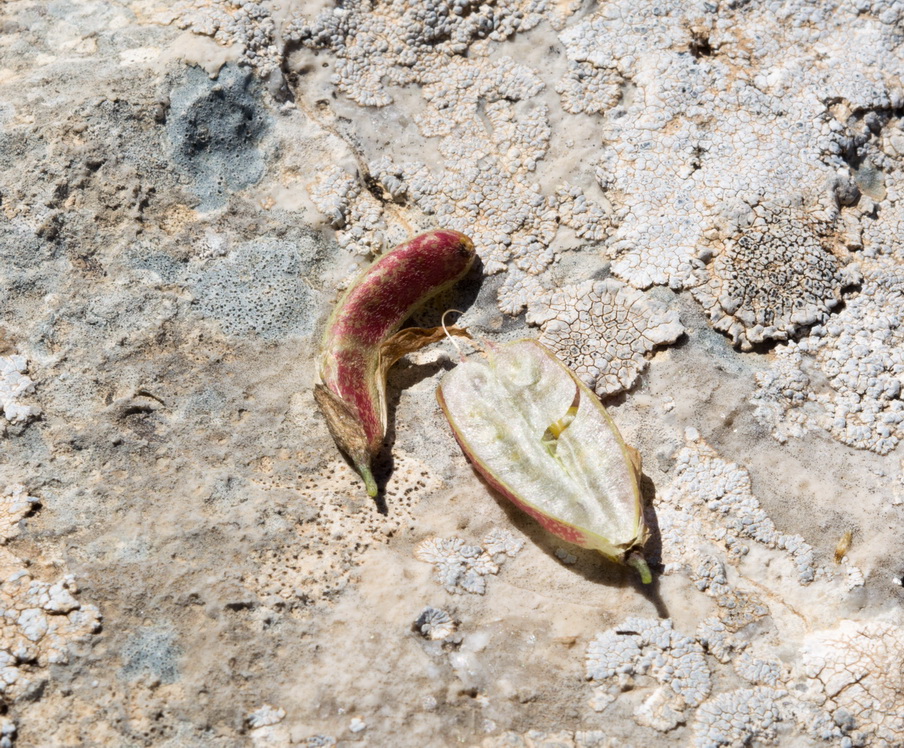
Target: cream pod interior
(543,439)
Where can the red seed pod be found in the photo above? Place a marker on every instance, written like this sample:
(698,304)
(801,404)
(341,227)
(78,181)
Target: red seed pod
(361,342)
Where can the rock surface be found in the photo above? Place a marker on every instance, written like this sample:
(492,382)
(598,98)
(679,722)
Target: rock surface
(695,202)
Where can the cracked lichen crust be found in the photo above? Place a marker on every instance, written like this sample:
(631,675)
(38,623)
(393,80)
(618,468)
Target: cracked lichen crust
(774,277)
(859,353)
(460,567)
(603,330)
(14,384)
(686,135)
(855,673)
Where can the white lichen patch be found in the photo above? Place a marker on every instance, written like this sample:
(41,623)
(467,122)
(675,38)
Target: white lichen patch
(363,226)
(855,673)
(686,135)
(766,672)
(641,649)
(747,716)
(845,685)
(301,569)
(711,504)
(774,277)
(333,192)
(399,43)
(243,23)
(859,352)
(718,640)
(518,289)
(501,541)
(15,505)
(457,566)
(467,99)
(39,620)
(588,219)
(709,520)
(603,330)
(265,716)
(435,624)
(587,89)
(460,567)
(487,189)
(14,384)
(7,732)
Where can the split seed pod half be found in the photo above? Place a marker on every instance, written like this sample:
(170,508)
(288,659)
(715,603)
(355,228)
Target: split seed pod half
(541,438)
(361,342)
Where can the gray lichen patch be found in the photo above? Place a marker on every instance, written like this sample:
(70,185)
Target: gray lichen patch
(776,276)
(152,652)
(604,330)
(259,289)
(215,129)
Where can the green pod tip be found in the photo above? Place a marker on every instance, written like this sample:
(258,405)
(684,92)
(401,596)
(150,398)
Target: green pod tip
(637,560)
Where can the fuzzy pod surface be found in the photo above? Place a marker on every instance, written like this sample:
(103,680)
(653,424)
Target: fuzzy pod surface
(541,438)
(361,340)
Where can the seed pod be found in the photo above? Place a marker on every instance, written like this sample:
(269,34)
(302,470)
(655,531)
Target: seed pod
(541,438)
(360,345)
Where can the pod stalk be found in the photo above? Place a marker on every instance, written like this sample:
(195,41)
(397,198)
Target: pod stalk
(636,559)
(369,482)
